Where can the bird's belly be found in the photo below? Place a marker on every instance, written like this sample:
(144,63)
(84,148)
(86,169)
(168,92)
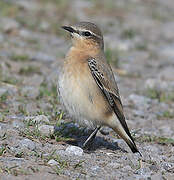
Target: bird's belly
(82,99)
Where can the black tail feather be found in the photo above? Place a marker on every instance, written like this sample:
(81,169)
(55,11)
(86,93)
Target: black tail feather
(133,147)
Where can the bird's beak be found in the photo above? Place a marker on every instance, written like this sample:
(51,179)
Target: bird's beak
(69,29)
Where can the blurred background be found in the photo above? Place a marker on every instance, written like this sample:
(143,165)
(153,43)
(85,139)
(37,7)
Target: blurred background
(138,39)
(139,44)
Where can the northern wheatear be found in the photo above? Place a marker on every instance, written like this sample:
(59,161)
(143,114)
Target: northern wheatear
(87,87)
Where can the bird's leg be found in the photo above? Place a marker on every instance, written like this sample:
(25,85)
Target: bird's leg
(91,138)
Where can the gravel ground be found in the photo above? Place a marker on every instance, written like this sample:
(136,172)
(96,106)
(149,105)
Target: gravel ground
(37,139)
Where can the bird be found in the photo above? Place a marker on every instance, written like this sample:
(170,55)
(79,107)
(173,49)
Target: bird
(87,87)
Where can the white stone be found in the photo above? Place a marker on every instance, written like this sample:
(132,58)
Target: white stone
(95,168)
(150,83)
(41,119)
(74,150)
(114,165)
(46,129)
(27,143)
(52,162)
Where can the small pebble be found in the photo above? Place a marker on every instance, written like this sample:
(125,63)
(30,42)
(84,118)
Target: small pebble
(140,102)
(46,129)
(27,143)
(74,150)
(17,124)
(40,119)
(143,171)
(52,162)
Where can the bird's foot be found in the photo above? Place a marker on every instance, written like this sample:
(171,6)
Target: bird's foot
(90,140)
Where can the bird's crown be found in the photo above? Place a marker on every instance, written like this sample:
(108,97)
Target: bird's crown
(88,28)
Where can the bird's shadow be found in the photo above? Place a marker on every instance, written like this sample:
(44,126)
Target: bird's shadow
(99,143)
(74,135)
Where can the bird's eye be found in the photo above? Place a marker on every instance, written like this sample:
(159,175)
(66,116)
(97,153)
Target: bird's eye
(86,33)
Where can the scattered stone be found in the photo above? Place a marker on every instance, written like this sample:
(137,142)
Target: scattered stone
(95,168)
(105,130)
(119,143)
(124,45)
(45,106)
(114,165)
(157,176)
(166,130)
(143,171)
(1,129)
(168,166)
(40,119)
(154,167)
(17,124)
(139,113)
(28,6)
(163,107)
(9,24)
(44,25)
(126,168)
(43,57)
(74,150)
(140,102)
(1,39)
(25,33)
(3,91)
(36,80)
(151,148)
(8,88)
(166,74)
(52,162)
(11,161)
(46,129)
(167,51)
(159,84)
(133,160)
(150,83)
(30,92)
(31,108)
(52,78)
(27,143)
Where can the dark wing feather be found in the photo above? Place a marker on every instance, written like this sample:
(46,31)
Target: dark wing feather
(101,74)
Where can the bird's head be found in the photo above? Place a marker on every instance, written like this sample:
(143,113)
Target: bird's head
(85,35)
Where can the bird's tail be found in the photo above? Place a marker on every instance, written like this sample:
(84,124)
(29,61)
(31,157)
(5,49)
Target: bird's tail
(130,142)
(124,134)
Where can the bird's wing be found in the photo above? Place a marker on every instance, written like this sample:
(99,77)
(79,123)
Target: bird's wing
(103,75)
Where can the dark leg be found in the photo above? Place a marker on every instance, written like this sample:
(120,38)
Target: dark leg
(91,138)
